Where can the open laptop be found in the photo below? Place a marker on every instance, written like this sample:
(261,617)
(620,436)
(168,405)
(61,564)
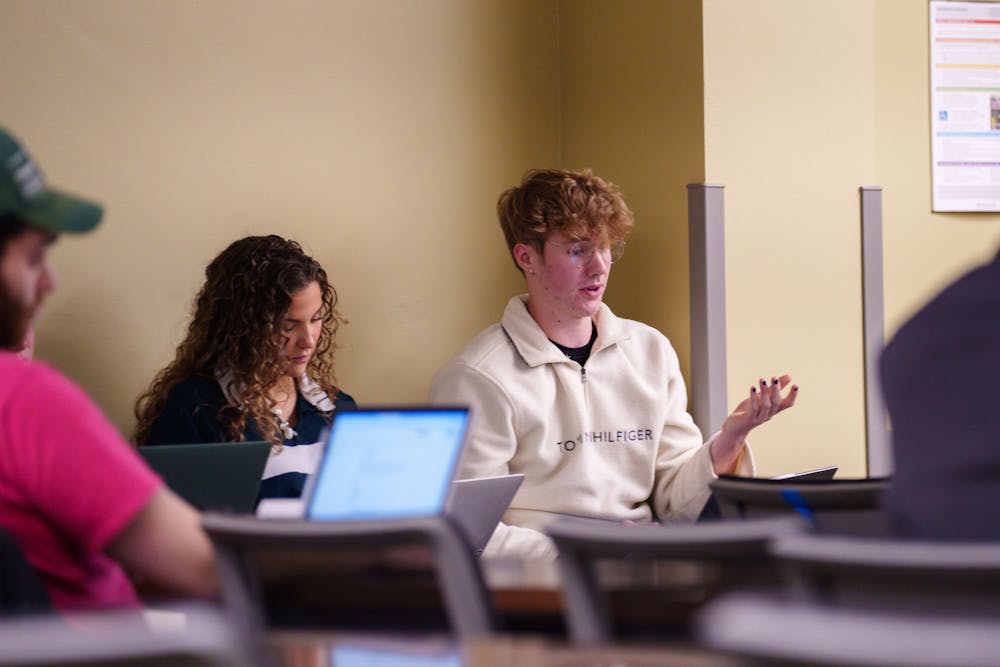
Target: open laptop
(214,476)
(477,505)
(817,475)
(712,511)
(387,463)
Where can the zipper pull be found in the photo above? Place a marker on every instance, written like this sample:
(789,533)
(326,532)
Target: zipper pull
(583,375)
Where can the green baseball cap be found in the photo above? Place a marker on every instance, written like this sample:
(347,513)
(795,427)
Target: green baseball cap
(25,196)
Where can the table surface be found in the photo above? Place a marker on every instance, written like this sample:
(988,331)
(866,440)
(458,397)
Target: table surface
(646,596)
(527,595)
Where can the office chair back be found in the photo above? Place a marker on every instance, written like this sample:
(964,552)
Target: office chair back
(848,506)
(21,589)
(739,548)
(123,639)
(765,630)
(258,559)
(910,576)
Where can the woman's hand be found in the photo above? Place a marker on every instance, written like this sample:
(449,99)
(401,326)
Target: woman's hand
(765,401)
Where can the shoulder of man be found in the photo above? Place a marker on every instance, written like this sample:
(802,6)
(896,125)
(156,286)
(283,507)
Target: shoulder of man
(23,378)
(624,329)
(478,352)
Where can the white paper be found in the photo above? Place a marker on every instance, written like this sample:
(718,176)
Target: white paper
(965,105)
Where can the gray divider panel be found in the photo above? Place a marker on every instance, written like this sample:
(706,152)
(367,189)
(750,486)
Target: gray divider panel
(707,258)
(879,449)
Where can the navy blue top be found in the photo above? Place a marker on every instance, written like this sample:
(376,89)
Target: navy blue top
(191,415)
(939,379)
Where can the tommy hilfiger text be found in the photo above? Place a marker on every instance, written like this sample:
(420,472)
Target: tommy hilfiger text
(606,437)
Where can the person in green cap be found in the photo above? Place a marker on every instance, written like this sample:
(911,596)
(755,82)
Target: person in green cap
(77,499)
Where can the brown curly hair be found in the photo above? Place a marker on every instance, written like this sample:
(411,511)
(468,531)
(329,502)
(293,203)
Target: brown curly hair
(236,321)
(576,203)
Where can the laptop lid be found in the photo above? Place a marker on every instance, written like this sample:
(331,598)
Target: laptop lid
(477,505)
(213,476)
(387,463)
(817,475)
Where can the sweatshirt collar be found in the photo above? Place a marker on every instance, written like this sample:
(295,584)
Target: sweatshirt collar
(536,348)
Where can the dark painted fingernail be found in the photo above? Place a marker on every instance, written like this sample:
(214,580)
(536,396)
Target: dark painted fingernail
(774,380)
(794,388)
(753,390)
(763,383)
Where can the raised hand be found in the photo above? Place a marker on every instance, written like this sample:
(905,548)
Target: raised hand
(766,399)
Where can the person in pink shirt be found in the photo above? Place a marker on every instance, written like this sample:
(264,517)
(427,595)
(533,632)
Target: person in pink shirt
(89,515)
(26,348)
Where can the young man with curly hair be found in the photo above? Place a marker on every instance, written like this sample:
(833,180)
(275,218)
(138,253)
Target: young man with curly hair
(77,499)
(589,406)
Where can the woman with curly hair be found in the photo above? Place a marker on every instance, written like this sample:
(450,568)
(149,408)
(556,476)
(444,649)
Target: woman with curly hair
(257,362)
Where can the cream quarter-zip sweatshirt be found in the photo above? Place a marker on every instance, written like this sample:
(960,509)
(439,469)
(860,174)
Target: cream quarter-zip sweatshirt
(611,439)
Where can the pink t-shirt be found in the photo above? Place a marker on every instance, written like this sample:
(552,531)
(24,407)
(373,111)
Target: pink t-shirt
(69,484)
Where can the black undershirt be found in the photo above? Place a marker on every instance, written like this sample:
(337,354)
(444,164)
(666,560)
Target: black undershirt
(579,354)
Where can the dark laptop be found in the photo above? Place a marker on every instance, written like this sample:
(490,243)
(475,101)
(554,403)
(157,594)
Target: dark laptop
(223,477)
(387,463)
(711,511)
(817,475)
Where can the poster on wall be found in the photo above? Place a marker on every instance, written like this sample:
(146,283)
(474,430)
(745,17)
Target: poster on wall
(965,105)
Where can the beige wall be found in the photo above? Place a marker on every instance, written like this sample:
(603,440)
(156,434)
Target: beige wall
(923,250)
(378,134)
(818,99)
(631,109)
(790,130)
(793,105)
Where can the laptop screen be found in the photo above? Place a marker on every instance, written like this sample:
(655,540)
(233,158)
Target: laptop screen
(387,463)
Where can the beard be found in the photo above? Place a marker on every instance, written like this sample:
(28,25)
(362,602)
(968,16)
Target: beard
(15,320)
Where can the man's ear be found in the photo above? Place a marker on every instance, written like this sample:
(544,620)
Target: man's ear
(525,256)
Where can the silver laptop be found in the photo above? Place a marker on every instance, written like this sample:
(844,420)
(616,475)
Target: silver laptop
(477,505)
(387,463)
